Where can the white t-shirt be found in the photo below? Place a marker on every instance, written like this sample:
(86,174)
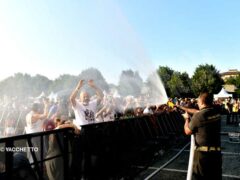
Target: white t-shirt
(33,127)
(84,114)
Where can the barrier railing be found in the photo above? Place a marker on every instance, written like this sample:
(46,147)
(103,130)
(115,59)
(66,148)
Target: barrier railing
(104,150)
(119,145)
(11,145)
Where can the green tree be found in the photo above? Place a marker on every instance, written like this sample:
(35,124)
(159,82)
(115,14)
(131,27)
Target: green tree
(64,82)
(130,83)
(238,81)
(234,80)
(96,75)
(206,78)
(165,73)
(23,85)
(40,84)
(179,85)
(230,80)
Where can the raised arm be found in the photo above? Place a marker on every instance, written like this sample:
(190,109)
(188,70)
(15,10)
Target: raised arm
(99,92)
(75,92)
(37,116)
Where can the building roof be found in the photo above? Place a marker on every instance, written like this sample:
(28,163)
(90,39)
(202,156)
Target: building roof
(231,72)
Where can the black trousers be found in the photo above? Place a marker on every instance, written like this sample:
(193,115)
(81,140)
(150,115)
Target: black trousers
(207,165)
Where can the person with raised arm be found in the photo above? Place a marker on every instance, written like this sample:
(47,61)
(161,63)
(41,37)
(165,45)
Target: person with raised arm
(35,121)
(84,108)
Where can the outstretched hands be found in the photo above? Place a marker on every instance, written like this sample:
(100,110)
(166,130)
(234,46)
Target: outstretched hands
(90,83)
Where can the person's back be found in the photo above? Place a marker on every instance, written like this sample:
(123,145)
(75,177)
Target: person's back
(207,133)
(205,126)
(54,167)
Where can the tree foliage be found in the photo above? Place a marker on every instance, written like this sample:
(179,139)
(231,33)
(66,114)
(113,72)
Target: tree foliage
(22,85)
(130,83)
(165,73)
(206,78)
(234,80)
(95,75)
(176,83)
(64,82)
(179,85)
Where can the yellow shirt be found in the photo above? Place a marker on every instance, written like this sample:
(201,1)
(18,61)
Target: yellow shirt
(235,107)
(170,104)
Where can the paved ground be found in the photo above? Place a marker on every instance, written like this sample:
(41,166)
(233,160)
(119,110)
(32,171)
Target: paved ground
(178,168)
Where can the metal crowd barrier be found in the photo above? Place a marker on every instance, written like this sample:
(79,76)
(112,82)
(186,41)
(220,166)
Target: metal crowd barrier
(109,149)
(119,145)
(24,144)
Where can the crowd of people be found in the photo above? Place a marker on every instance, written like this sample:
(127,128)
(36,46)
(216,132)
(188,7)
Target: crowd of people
(82,108)
(104,107)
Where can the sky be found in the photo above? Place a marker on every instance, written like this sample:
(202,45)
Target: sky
(65,37)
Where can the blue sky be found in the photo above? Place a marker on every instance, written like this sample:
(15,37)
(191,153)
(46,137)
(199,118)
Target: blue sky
(64,37)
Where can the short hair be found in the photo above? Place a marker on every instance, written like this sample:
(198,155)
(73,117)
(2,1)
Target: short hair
(207,98)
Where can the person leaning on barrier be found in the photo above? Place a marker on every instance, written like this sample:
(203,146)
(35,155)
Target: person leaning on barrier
(54,167)
(205,126)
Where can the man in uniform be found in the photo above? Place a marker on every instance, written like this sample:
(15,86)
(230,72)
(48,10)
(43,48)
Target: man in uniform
(205,125)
